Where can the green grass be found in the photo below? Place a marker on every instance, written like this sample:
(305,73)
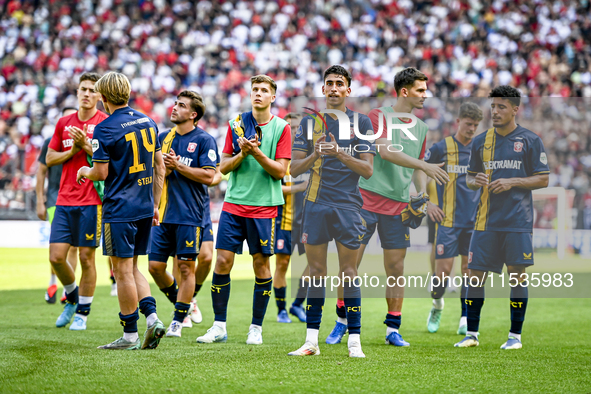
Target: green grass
(37,357)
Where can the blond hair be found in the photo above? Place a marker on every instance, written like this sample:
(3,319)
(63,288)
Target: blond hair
(115,87)
(262,78)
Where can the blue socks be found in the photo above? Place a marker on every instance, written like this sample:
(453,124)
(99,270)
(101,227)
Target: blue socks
(518,305)
(220,294)
(180,311)
(171,291)
(129,322)
(260,299)
(352,296)
(316,296)
(474,302)
(280,294)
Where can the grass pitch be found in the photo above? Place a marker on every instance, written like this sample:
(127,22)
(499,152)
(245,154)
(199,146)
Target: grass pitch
(37,357)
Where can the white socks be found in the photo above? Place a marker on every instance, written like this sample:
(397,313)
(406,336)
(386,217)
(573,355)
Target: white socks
(463,321)
(342,320)
(83,300)
(255,326)
(221,324)
(70,288)
(312,336)
(52,280)
(130,336)
(518,336)
(390,330)
(438,303)
(151,319)
(354,338)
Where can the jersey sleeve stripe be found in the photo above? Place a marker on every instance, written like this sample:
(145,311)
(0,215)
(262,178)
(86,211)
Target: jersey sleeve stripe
(100,161)
(541,172)
(300,149)
(208,167)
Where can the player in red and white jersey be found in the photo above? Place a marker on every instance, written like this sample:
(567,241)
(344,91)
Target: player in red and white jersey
(77,218)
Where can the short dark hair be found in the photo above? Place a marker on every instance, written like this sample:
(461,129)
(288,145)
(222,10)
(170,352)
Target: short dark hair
(69,109)
(407,77)
(507,92)
(290,116)
(197,104)
(338,70)
(93,77)
(472,111)
(262,78)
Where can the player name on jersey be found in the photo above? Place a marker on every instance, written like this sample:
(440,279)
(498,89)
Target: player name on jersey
(455,169)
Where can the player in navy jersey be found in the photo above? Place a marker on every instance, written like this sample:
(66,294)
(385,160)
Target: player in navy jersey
(333,203)
(190,156)
(455,211)
(127,156)
(507,162)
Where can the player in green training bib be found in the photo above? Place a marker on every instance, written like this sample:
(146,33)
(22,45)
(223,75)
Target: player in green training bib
(256,155)
(386,193)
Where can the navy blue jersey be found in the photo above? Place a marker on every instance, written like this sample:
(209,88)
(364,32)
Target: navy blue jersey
(183,199)
(127,140)
(457,201)
(332,182)
(518,155)
(207,202)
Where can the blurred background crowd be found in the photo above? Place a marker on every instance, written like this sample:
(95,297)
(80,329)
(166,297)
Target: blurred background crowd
(464,46)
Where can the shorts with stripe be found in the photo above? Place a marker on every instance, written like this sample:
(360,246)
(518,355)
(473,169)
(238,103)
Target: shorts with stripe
(77,225)
(127,239)
(175,240)
(258,233)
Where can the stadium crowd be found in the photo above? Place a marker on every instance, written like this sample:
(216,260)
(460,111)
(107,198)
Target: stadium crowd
(465,47)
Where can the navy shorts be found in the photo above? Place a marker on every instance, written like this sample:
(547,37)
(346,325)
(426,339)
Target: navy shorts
(258,233)
(207,233)
(323,223)
(490,250)
(127,239)
(77,226)
(452,241)
(283,245)
(296,240)
(393,234)
(175,240)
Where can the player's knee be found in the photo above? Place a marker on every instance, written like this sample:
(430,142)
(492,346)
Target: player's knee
(56,260)
(223,265)
(87,258)
(282,262)
(349,272)
(156,269)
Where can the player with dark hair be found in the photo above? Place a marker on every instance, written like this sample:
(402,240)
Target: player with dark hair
(46,206)
(454,214)
(386,194)
(127,157)
(77,218)
(507,162)
(256,155)
(190,156)
(333,203)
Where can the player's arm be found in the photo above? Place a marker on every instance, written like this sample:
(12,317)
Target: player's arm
(217,178)
(40,191)
(196,174)
(276,168)
(402,159)
(229,163)
(55,158)
(301,163)
(159,171)
(419,178)
(533,182)
(98,172)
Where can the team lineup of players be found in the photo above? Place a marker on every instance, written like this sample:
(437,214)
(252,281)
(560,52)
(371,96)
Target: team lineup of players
(146,193)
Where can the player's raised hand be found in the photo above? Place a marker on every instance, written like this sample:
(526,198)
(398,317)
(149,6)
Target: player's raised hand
(481,179)
(500,185)
(171,160)
(78,135)
(435,213)
(317,146)
(81,175)
(435,171)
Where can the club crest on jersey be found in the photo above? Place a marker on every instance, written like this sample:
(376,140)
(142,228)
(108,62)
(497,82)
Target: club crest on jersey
(518,147)
(469,257)
(90,128)
(192,146)
(280,244)
(440,249)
